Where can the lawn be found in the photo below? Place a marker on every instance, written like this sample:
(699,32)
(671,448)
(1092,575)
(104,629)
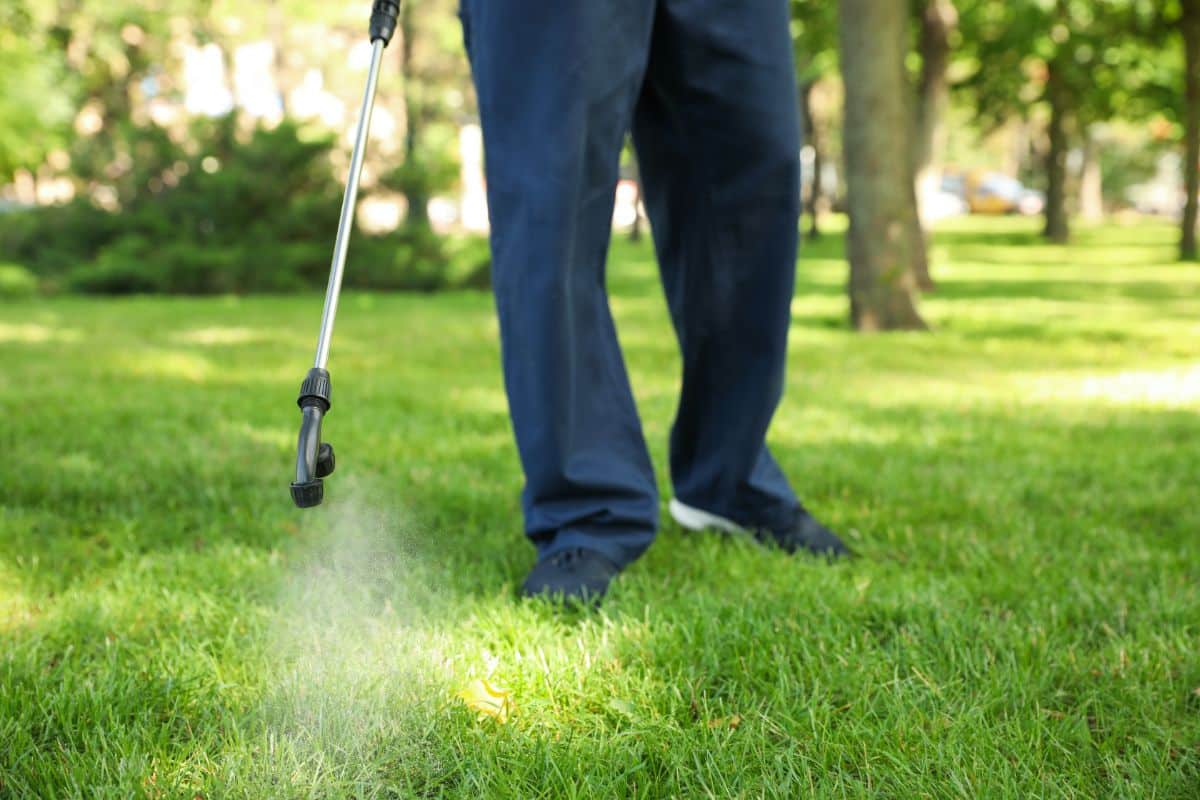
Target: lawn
(1021,485)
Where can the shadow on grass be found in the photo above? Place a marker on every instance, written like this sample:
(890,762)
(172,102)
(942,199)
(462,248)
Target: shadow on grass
(1007,265)
(1024,232)
(1051,288)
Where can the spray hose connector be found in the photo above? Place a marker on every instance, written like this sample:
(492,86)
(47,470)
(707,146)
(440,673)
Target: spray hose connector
(384,14)
(315,390)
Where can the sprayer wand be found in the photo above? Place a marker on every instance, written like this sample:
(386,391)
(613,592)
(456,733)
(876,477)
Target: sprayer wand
(314,458)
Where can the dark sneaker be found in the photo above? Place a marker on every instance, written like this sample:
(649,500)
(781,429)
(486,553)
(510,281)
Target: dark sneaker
(803,534)
(575,574)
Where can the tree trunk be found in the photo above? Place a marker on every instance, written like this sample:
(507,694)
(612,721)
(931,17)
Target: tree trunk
(815,203)
(812,138)
(635,230)
(415,193)
(1057,226)
(878,151)
(920,244)
(277,34)
(938,22)
(1091,182)
(1190,25)
(939,18)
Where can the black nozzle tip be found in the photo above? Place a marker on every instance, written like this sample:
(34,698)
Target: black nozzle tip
(308,494)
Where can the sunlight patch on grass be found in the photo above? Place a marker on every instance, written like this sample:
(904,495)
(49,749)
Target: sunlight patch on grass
(288,371)
(271,437)
(820,306)
(826,268)
(1172,387)
(1049,256)
(78,464)
(174,364)
(33,333)
(478,398)
(220,336)
(830,425)
(1163,278)
(16,608)
(622,306)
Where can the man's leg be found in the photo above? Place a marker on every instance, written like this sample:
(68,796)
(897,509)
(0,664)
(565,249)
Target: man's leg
(718,141)
(556,84)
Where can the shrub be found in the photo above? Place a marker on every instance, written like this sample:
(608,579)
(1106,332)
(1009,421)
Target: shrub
(16,281)
(223,215)
(120,268)
(411,258)
(54,239)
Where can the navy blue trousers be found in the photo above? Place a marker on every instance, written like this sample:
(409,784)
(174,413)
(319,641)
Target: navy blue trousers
(708,89)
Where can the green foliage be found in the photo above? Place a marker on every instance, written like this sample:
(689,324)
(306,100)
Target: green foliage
(1128,159)
(1022,621)
(1157,28)
(215,215)
(220,213)
(414,258)
(1013,46)
(16,281)
(423,174)
(35,111)
(814,30)
(110,48)
(53,240)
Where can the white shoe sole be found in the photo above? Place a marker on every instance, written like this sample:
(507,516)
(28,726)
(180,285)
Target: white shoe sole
(695,519)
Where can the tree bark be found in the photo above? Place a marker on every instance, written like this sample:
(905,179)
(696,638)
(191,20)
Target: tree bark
(919,237)
(815,199)
(1190,27)
(878,152)
(938,22)
(1057,226)
(812,138)
(277,35)
(1091,181)
(635,230)
(939,19)
(415,194)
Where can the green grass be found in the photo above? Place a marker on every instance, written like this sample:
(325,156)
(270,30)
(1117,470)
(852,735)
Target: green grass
(1021,484)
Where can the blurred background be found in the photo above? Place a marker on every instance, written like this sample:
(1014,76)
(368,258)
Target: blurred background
(199,146)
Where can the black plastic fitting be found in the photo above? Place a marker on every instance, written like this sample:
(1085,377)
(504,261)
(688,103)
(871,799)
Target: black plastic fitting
(307,495)
(384,14)
(314,458)
(325,460)
(316,389)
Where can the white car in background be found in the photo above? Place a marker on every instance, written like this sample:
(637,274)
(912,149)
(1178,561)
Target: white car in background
(943,204)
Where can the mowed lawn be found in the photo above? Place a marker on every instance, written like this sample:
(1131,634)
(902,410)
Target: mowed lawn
(1022,485)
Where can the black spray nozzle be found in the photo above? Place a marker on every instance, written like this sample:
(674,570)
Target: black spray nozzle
(307,495)
(314,459)
(384,14)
